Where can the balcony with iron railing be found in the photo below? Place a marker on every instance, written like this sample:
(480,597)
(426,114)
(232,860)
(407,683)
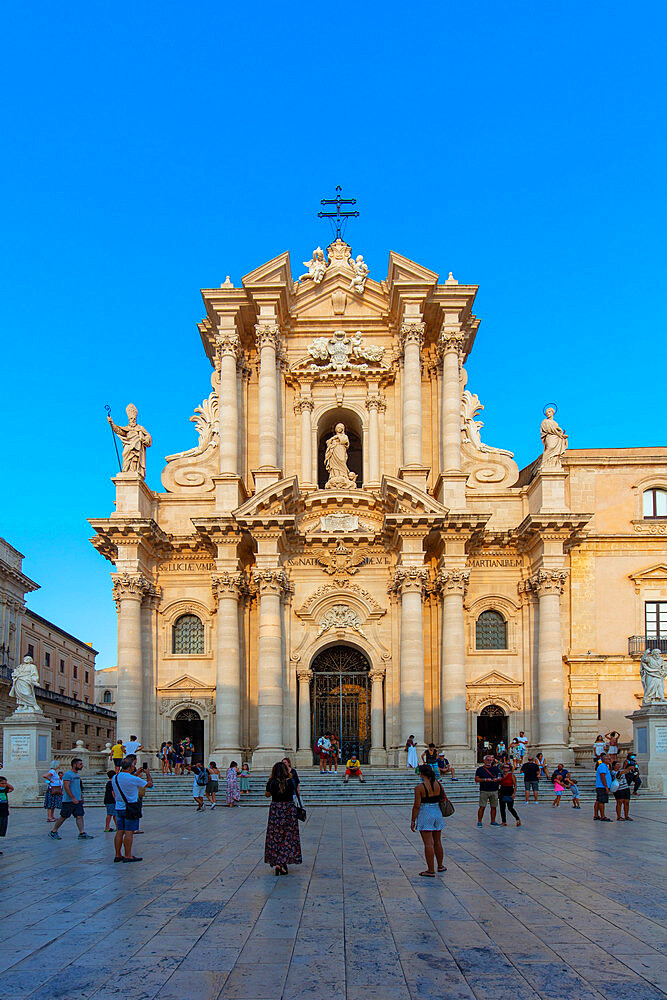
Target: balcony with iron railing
(638,644)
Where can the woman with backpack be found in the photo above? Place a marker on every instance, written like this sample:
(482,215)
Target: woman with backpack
(199,783)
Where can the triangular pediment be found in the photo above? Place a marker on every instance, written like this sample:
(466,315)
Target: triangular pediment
(275,272)
(334,298)
(185,682)
(277,500)
(401,497)
(402,269)
(494,679)
(657,573)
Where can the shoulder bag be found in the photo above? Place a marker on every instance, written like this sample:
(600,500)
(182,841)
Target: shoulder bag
(300,811)
(445,804)
(132,809)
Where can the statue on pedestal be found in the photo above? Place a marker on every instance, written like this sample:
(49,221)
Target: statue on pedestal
(652,672)
(360,268)
(135,440)
(24,679)
(335,461)
(554,440)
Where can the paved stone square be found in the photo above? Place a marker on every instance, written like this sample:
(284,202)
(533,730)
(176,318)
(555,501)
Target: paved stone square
(561,908)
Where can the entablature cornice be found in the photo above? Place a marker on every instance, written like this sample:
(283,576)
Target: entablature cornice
(124,531)
(565,527)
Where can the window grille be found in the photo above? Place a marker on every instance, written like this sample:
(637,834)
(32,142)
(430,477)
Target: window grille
(188,635)
(491,631)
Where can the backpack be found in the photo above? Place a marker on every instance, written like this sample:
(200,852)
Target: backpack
(202,778)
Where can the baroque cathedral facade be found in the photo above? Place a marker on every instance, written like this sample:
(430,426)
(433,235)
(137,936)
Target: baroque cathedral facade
(340,551)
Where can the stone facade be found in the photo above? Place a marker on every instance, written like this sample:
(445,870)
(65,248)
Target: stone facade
(427,587)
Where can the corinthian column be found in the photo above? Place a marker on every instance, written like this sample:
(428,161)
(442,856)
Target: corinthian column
(374,403)
(271,584)
(409,583)
(453,727)
(227,344)
(451,345)
(305,752)
(304,406)
(267,336)
(227,737)
(411,337)
(149,607)
(378,752)
(551,711)
(128,591)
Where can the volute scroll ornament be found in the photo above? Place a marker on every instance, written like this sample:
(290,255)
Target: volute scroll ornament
(377,674)
(453,581)
(304,675)
(194,469)
(267,335)
(272,581)
(451,339)
(548,581)
(411,332)
(409,579)
(128,586)
(227,584)
(343,617)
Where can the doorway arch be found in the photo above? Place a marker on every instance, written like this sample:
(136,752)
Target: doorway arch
(188,722)
(491,730)
(341,699)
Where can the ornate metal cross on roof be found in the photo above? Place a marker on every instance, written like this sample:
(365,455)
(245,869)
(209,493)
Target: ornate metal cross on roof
(338,219)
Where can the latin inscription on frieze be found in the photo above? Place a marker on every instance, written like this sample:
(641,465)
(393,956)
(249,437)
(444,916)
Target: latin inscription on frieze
(488,562)
(187,567)
(314,561)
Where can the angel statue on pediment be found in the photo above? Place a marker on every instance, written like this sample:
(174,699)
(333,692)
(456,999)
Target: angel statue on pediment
(316,267)
(360,268)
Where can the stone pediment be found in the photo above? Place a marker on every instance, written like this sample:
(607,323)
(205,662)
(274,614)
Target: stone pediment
(653,574)
(186,683)
(494,688)
(402,498)
(279,500)
(493,677)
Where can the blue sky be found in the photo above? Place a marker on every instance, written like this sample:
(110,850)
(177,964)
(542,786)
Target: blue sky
(149,150)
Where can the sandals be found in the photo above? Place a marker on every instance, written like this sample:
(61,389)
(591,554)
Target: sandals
(427,874)
(127,861)
(443,869)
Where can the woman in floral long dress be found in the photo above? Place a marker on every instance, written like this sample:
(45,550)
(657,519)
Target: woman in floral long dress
(233,790)
(283,844)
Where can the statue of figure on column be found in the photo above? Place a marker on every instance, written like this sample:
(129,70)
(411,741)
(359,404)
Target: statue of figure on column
(652,672)
(25,677)
(135,440)
(554,440)
(335,461)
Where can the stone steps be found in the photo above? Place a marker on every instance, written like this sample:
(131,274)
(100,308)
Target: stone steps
(384,786)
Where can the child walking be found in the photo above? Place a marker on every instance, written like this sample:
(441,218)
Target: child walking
(244,780)
(574,788)
(110,805)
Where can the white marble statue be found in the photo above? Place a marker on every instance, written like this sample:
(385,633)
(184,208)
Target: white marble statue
(358,282)
(653,671)
(554,440)
(24,679)
(317,267)
(366,352)
(135,440)
(335,461)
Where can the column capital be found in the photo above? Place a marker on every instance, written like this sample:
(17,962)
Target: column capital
(152,598)
(227,344)
(377,674)
(304,675)
(131,586)
(453,581)
(272,581)
(548,581)
(374,401)
(451,339)
(303,403)
(409,579)
(267,335)
(227,584)
(411,332)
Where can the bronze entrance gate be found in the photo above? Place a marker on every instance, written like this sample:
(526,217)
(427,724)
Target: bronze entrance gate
(341,700)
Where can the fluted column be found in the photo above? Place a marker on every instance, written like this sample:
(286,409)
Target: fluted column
(548,585)
(271,584)
(267,336)
(304,406)
(128,591)
(227,737)
(411,337)
(378,752)
(451,344)
(304,677)
(374,403)
(453,728)
(227,344)
(409,584)
(149,607)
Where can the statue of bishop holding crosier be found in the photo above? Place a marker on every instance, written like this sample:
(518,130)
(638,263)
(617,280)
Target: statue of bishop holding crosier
(135,440)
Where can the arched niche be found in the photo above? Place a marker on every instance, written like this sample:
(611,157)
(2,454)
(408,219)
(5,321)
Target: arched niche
(354,430)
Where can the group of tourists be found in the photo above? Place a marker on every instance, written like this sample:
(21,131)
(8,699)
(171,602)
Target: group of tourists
(206,783)
(327,750)
(432,756)
(176,758)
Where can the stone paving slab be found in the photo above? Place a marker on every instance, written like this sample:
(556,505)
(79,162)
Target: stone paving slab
(560,909)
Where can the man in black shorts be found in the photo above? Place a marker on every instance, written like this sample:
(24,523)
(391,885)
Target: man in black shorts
(531,778)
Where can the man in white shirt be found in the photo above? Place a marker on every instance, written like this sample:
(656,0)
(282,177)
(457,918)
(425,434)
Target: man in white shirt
(133,746)
(324,749)
(127,789)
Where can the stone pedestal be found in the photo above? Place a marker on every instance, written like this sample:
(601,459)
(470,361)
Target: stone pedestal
(649,726)
(26,753)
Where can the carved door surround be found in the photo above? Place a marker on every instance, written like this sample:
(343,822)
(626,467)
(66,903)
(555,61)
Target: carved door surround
(494,688)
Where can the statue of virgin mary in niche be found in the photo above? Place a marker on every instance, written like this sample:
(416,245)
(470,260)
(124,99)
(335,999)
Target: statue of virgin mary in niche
(335,461)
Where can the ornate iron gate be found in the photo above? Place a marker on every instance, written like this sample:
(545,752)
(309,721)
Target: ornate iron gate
(341,699)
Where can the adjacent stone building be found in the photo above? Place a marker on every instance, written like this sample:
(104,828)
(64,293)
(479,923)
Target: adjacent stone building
(341,550)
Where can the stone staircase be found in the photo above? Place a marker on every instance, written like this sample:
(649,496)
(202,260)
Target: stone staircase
(384,786)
